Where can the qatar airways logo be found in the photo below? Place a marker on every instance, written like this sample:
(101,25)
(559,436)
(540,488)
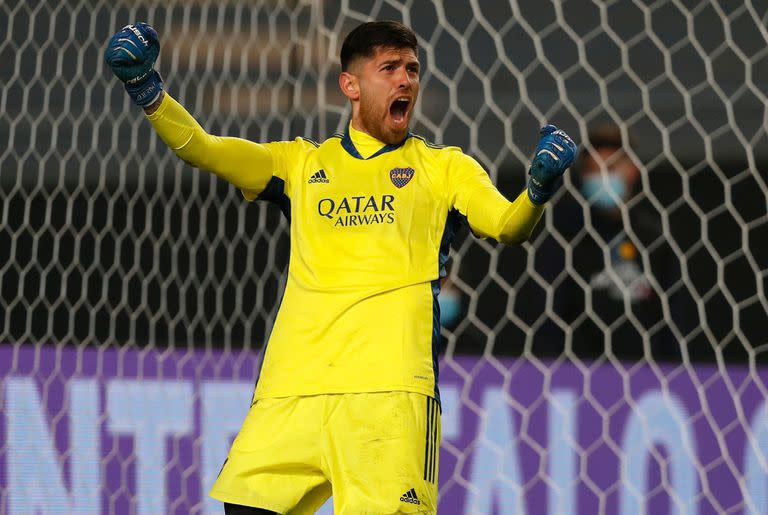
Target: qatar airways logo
(358,210)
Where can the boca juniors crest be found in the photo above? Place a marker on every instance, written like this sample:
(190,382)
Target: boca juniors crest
(401,176)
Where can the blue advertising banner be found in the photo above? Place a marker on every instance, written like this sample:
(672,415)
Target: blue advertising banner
(84,430)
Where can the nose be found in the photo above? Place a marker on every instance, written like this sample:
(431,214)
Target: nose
(404,79)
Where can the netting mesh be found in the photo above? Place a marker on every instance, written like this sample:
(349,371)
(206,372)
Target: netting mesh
(107,240)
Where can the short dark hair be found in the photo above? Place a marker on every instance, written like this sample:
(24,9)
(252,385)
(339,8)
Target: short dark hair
(366,38)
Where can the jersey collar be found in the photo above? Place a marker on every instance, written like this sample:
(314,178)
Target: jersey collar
(349,146)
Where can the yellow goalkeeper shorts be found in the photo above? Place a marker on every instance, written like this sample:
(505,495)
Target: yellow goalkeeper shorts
(374,452)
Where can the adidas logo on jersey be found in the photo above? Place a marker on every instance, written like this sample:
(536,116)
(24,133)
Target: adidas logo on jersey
(319,176)
(410,496)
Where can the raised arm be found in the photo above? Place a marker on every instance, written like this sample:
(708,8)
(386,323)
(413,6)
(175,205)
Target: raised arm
(131,54)
(246,164)
(488,212)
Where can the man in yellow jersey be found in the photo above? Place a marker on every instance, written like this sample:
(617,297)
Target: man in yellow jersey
(347,400)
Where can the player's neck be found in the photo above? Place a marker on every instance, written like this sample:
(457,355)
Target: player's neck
(365,144)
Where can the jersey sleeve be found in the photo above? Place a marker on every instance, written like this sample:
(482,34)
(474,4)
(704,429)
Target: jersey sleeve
(248,165)
(488,212)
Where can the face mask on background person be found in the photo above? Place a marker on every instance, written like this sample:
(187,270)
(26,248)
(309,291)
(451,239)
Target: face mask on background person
(450,306)
(598,189)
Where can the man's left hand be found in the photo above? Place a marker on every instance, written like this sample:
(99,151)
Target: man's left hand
(554,153)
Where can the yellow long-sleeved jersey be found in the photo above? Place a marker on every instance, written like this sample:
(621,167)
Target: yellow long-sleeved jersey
(370,228)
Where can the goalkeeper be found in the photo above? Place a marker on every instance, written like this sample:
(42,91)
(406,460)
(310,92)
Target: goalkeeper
(347,401)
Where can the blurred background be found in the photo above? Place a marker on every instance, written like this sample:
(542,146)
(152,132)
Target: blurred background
(107,239)
(136,292)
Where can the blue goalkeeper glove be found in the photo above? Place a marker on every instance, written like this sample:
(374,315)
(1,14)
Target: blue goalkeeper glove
(131,53)
(555,153)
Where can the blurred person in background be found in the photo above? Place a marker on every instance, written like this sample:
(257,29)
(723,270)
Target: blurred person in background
(611,294)
(467,338)
(450,301)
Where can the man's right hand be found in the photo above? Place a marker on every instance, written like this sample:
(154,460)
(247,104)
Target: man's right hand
(131,54)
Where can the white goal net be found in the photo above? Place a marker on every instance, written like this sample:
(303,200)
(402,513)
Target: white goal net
(616,363)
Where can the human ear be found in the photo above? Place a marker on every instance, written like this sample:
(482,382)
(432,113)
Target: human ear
(349,86)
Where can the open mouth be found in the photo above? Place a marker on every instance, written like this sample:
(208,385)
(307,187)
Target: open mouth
(399,109)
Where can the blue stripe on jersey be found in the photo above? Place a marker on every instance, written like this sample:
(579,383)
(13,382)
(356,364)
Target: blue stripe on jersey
(310,140)
(452,224)
(275,192)
(437,341)
(346,143)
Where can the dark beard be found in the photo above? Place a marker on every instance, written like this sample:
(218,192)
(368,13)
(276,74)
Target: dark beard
(373,127)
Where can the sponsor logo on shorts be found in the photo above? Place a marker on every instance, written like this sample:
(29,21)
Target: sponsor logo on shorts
(410,496)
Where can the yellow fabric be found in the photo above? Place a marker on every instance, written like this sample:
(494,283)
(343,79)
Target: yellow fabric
(366,144)
(359,309)
(246,164)
(373,448)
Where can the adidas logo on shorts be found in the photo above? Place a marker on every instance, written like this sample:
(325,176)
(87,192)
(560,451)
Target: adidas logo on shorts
(410,496)
(319,176)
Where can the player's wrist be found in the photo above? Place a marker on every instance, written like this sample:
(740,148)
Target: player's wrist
(154,107)
(542,183)
(540,192)
(146,90)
